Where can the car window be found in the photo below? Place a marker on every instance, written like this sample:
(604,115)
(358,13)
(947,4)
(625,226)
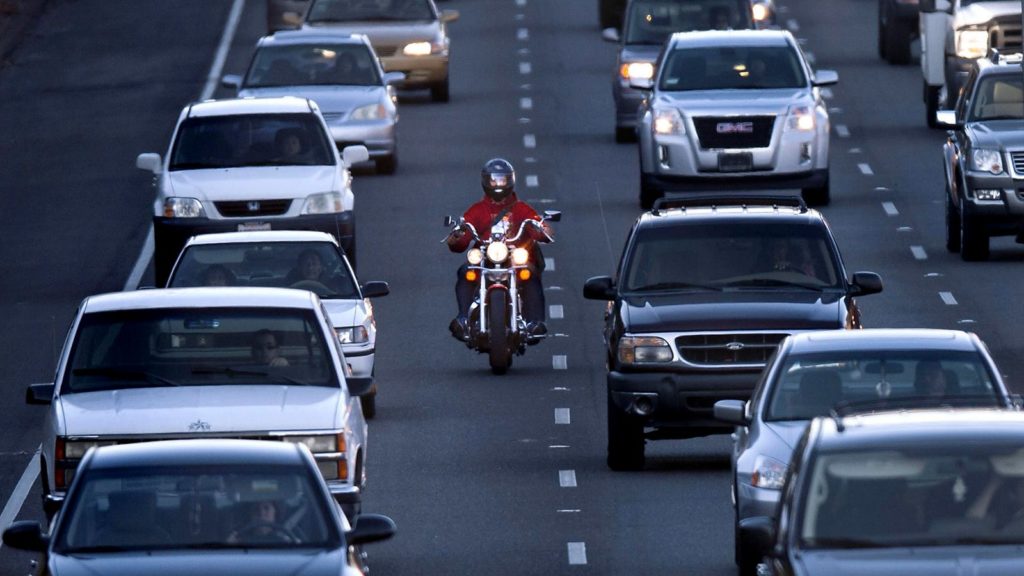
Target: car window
(732,255)
(227,506)
(267,264)
(998,97)
(732,67)
(325,11)
(813,384)
(653,21)
(312,65)
(198,347)
(250,140)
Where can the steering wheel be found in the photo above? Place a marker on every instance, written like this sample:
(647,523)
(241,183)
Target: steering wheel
(315,286)
(266,530)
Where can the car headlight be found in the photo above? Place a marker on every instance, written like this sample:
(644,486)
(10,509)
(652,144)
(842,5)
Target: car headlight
(175,207)
(801,118)
(326,203)
(668,121)
(636,71)
(75,450)
(352,335)
(768,473)
(369,112)
(987,160)
(760,12)
(319,442)
(520,256)
(423,48)
(971,43)
(475,256)
(497,252)
(643,349)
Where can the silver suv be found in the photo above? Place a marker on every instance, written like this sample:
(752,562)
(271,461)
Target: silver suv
(734,109)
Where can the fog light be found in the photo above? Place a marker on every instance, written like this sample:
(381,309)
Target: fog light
(643,406)
(471,275)
(805,152)
(986,194)
(663,155)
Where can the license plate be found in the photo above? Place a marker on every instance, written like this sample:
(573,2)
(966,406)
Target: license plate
(735,161)
(253,226)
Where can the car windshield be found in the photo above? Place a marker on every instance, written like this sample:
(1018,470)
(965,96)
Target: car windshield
(326,11)
(312,65)
(809,385)
(653,21)
(998,97)
(195,507)
(732,68)
(315,266)
(732,255)
(198,347)
(936,495)
(251,140)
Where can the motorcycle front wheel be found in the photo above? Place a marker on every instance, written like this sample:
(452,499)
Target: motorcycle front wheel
(500,353)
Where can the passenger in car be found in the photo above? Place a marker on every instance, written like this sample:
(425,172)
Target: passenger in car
(217,275)
(930,379)
(265,349)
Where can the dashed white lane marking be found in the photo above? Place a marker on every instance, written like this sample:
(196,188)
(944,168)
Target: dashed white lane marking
(520,16)
(526,103)
(523,51)
(141,264)
(567,478)
(842,131)
(865,169)
(532,181)
(947,297)
(524,120)
(826,93)
(21,490)
(520,3)
(577,510)
(549,264)
(577,553)
(556,312)
(890,209)
(522,34)
(918,252)
(558,446)
(562,416)
(793,25)
(525,68)
(559,362)
(530,141)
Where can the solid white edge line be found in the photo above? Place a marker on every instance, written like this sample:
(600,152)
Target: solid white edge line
(141,263)
(577,553)
(559,362)
(567,478)
(562,416)
(890,209)
(21,490)
(948,298)
(865,169)
(918,252)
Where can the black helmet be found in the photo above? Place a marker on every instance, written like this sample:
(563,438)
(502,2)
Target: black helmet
(498,178)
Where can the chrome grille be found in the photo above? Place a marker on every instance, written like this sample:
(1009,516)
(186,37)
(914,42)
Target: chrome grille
(1005,33)
(728,349)
(734,131)
(1018,161)
(250,208)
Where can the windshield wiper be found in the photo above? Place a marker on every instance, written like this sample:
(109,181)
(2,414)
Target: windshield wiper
(673,286)
(103,548)
(195,166)
(228,371)
(845,543)
(123,374)
(757,282)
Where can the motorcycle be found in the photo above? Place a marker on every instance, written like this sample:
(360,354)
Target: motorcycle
(498,265)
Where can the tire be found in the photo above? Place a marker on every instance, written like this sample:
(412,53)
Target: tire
(369,403)
(624,134)
(931,104)
(973,239)
(387,164)
(648,194)
(897,43)
(499,354)
(625,440)
(952,224)
(439,92)
(819,196)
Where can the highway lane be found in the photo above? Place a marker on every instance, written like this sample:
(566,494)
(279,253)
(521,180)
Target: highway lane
(477,470)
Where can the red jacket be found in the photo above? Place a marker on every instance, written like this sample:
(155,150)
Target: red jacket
(482,214)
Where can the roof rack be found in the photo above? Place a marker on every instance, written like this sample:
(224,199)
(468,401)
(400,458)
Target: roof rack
(774,198)
(997,57)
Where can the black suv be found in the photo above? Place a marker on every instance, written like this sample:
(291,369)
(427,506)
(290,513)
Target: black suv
(706,289)
(984,158)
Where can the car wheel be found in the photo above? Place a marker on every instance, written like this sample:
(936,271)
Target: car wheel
(931,104)
(439,92)
(973,238)
(387,164)
(625,134)
(952,224)
(819,196)
(897,42)
(625,440)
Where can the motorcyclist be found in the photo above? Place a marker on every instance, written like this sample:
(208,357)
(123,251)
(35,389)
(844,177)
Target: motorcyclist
(498,205)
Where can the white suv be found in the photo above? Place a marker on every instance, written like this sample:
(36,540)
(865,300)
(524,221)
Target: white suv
(250,164)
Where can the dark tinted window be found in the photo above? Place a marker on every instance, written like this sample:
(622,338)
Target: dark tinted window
(251,140)
(732,67)
(326,11)
(653,21)
(309,65)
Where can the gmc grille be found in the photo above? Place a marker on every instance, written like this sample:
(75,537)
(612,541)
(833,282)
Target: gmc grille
(1005,33)
(734,131)
(250,208)
(728,349)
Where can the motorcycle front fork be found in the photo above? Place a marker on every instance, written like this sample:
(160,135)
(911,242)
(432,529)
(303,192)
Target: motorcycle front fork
(513,295)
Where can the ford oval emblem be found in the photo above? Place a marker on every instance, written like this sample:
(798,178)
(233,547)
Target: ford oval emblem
(199,426)
(734,346)
(253,206)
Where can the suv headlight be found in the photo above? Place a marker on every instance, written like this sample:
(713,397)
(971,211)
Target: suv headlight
(369,112)
(987,160)
(801,118)
(175,207)
(768,473)
(761,12)
(636,71)
(352,334)
(644,350)
(668,121)
(326,203)
(971,43)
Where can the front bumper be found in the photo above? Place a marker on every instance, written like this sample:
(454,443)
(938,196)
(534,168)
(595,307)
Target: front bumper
(420,71)
(360,359)
(752,501)
(997,217)
(378,137)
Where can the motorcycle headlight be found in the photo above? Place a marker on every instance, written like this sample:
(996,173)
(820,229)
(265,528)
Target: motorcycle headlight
(520,256)
(183,208)
(761,13)
(326,203)
(352,335)
(987,160)
(768,473)
(497,252)
(971,43)
(668,121)
(801,118)
(319,442)
(636,71)
(475,256)
(369,112)
(643,350)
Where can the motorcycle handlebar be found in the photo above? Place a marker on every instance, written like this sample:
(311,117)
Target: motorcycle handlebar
(538,224)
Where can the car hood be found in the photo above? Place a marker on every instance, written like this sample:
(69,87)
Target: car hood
(951,561)
(387,33)
(787,432)
(748,310)
(202,409)
(745,102)
(174,563)
(345,312)
(260,182)
(997,134)
(639,53)
(982,12)
(330,99)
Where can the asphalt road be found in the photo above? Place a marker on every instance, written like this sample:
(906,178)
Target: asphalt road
(483,474)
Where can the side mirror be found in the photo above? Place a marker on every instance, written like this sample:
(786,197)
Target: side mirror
(26,535)
(826,77)
(359,386)
(231,81)
(732,412)
(393,77)
(375,289)
(599,288)
(946,119)
(355,154)
(865,283)
(553,215)
(149,161)
(370,528)
(39,394)
(449,15)
(449,221)
(610,35)
(641,83)
(757,534)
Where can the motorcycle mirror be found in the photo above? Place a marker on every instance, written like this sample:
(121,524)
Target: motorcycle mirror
(553,215)
(449,221)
